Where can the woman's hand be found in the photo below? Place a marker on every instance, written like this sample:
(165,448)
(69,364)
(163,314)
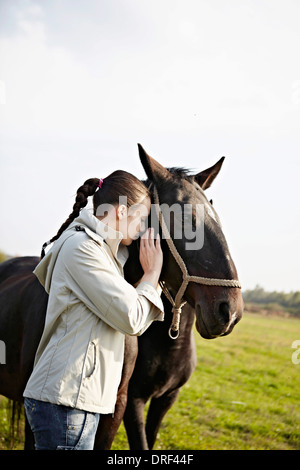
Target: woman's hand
(151,257)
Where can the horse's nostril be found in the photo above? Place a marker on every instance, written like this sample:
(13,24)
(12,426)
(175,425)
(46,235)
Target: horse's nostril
(224,312)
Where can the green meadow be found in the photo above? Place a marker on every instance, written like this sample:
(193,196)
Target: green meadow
(244,394)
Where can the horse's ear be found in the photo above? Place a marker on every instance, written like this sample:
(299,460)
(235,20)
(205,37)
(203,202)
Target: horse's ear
(154,170)
(206,177)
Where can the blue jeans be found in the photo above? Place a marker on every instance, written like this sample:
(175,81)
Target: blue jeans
(57,427)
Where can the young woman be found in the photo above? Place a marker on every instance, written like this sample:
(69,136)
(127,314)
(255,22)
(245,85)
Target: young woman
(91,308)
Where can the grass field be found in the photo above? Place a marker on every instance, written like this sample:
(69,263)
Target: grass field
(244,394)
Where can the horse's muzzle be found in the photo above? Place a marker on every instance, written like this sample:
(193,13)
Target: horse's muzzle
(218,320)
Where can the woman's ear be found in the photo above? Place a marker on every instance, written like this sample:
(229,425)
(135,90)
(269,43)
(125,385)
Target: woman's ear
(121,211)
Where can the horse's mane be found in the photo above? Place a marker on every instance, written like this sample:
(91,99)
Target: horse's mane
(176,172)
(180,172)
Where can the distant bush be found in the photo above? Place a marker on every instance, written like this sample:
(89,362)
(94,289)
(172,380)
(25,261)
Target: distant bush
(3,256)
(289,302)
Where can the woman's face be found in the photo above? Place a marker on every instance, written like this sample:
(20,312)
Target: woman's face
(132,221)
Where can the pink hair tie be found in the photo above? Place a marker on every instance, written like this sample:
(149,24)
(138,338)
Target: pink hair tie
(100,183)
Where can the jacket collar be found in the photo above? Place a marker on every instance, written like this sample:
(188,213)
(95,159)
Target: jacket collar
(96,230)
(99,232)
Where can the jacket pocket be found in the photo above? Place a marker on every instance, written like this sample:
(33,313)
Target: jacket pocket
(90,361)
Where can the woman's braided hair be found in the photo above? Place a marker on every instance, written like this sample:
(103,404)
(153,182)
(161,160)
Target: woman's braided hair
(117,184)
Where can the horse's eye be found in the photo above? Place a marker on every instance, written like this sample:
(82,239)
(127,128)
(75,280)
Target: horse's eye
(211,202)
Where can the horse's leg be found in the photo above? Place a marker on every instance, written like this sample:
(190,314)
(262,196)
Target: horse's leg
(108,427)
(109,424)
(135,424)
(157,410)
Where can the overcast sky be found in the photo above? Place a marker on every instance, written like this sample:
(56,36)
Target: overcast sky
(82,82)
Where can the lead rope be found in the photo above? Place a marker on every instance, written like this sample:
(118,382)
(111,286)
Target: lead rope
(177,303)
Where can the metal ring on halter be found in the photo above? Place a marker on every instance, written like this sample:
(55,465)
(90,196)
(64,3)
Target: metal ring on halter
(170,334)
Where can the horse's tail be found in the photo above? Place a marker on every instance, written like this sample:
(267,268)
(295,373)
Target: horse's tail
(17,413)
(15,429)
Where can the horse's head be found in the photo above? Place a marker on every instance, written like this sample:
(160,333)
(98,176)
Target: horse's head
(197,234)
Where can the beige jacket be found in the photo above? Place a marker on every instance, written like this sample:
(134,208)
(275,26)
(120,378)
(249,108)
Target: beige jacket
(90,309)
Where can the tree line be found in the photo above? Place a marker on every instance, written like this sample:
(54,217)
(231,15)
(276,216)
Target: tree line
(290,302)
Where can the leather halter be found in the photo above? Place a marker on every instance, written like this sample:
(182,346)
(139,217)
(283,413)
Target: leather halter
(177,303)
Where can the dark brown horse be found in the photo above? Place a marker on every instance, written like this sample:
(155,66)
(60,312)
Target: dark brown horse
(156,365)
